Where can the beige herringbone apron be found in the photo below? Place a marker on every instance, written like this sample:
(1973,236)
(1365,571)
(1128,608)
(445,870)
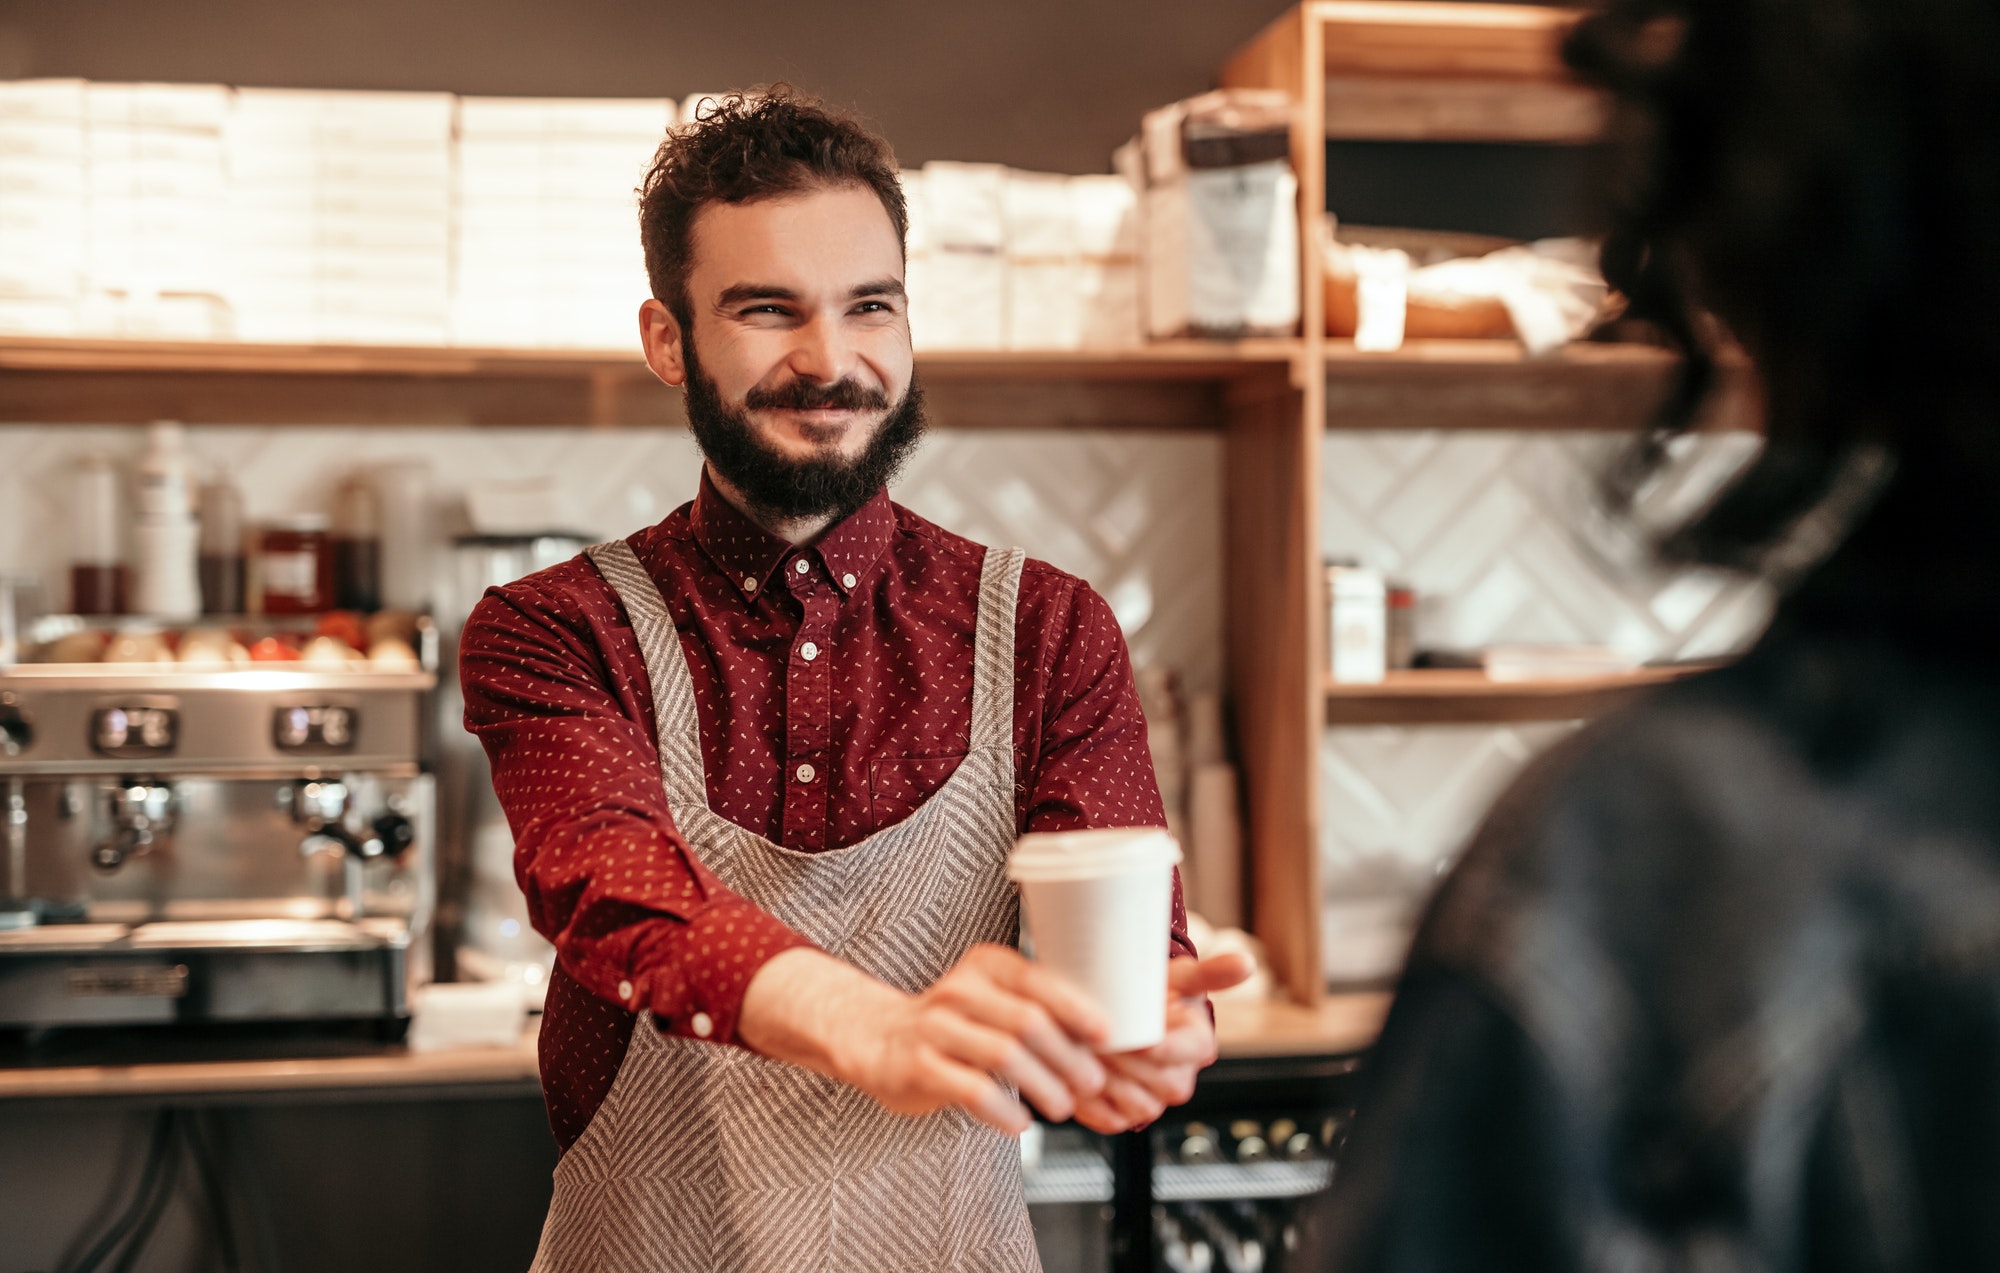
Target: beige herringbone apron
(707,1157)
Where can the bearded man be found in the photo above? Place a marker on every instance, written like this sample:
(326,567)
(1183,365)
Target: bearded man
(764,762)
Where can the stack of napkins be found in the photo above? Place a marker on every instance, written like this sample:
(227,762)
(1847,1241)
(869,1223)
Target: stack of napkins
(548,250)
(42,241)
(156,197)
(340,216)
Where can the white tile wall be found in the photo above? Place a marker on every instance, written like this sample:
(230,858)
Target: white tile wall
(1491,530)
(1139,516)
(1486,526)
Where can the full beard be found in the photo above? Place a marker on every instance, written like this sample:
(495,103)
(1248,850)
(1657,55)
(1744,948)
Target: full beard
(778,487)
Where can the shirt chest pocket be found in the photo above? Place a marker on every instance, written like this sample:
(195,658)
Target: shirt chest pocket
(898,785)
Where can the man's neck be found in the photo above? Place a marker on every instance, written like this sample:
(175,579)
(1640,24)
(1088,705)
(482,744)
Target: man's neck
(793,530)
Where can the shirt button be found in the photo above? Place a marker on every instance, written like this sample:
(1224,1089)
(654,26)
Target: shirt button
(809,651)
(847,581)
(625,991)
(801,565)
(701,1025)
(749,584)
(805,773)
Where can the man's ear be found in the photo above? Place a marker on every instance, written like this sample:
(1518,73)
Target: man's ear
(660,334)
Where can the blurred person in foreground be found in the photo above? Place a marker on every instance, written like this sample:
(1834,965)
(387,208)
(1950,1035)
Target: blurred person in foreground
(1717,986)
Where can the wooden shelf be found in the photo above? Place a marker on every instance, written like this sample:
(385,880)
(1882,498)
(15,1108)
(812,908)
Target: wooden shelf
(1426,70)
(383,1073)
(1451,72)
(1171,385)
(1433,697)
(1494,384)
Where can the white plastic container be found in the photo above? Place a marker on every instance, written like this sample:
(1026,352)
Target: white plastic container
(1098,908)
(1357,625)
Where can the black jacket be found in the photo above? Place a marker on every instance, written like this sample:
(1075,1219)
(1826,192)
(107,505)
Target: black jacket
(1717,987)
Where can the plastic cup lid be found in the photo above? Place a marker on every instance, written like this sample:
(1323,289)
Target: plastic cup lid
(1090,854)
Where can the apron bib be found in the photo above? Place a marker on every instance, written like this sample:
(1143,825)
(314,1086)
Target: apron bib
(709,1157)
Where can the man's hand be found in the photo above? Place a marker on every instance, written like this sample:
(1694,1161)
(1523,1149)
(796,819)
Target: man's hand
(1142,1084)
(993,1014)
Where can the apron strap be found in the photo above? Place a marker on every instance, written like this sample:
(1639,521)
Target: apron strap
(678,727)
(993,651)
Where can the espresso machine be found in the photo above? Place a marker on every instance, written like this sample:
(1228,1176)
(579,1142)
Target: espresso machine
(233,845)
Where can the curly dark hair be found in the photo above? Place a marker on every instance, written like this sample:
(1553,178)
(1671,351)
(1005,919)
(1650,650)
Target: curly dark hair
(1823,178)
(753,145)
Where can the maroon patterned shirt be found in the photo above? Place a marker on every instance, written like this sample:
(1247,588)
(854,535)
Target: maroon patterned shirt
(833,683)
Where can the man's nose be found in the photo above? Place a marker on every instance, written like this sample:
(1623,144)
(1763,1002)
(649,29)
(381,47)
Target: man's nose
(821,352)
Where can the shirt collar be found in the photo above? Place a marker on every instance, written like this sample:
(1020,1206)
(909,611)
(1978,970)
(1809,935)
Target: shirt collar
(745,551)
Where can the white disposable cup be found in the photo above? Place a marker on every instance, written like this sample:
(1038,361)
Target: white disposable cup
(1098,909)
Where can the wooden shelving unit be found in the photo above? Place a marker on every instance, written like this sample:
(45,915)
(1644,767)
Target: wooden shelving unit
(1450,696)
(1390,70)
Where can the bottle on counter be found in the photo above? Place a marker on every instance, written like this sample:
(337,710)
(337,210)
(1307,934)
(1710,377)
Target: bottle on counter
(357,546)
(98,581)
(221,565)
(166,538)
(294,565)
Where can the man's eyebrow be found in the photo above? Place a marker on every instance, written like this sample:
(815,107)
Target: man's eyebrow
(740,292)
(880,287)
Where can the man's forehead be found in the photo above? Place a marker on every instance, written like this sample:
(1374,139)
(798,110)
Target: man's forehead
(827,236)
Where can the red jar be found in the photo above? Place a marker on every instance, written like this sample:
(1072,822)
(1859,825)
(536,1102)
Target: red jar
(294,566)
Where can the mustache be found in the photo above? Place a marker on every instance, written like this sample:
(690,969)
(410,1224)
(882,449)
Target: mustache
(800,394)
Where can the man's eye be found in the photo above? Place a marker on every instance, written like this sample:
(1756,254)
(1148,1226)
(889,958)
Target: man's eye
(873,307)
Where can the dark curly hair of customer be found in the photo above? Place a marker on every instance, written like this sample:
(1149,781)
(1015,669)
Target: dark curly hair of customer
(1822,177)
(747,146)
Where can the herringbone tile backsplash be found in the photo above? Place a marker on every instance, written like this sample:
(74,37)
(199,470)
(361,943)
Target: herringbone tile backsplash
(1139,516)
(1486,526)
(1491,530)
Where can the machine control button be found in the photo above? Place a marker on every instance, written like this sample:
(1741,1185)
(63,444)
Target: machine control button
(135,731)
(394,834)
(319,731)
(17,733)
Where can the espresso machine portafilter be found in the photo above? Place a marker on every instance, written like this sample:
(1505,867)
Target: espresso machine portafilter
(229,845)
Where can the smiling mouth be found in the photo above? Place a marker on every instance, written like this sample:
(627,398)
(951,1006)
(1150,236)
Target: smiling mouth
(825,426)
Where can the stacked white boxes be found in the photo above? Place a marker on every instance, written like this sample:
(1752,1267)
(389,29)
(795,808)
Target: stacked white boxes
(1044,306)
(297,216)
(340,216)
(963,304)
(1107,269)
(156,192)
(548,250)
(1003,259)
(42,241)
